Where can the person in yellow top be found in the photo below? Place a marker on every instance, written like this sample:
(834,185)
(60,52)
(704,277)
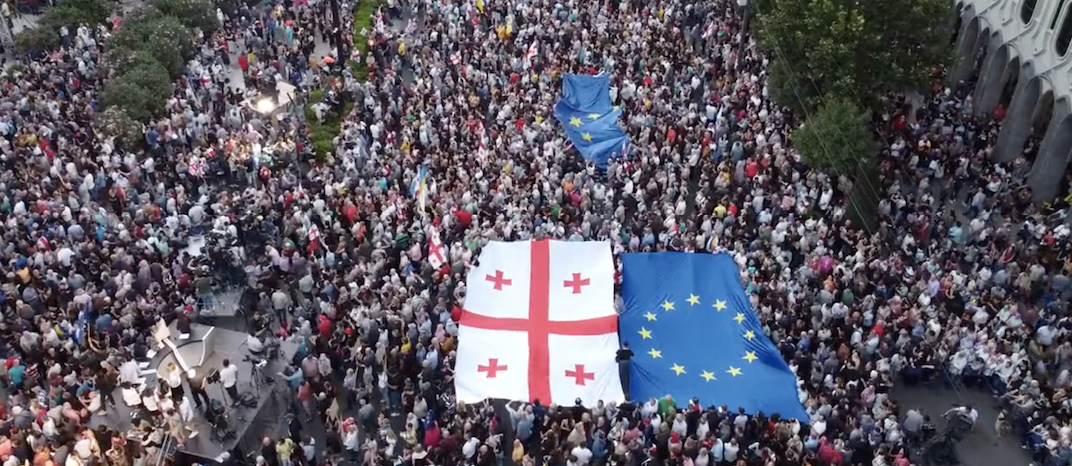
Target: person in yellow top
(284,450)
(720,210)
(401,48)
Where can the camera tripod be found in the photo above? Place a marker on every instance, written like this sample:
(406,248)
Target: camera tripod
(257,377)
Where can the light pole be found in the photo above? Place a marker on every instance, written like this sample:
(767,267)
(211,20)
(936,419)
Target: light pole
(746,17)
(336,23)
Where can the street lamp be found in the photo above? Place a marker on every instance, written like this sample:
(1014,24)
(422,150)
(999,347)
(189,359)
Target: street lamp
(746,19)
(336,22)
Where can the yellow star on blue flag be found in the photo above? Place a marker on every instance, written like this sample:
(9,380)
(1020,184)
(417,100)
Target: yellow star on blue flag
(716,352)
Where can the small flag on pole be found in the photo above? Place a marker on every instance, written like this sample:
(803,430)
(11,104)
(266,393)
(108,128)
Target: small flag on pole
(436,255)
(419,188)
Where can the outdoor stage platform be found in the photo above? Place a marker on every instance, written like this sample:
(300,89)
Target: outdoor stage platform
(204,350)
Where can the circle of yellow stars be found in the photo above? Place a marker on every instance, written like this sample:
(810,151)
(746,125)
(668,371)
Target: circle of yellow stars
(694,300)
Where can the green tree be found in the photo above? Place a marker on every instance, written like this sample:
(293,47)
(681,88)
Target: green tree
(851,47)
(194,14)
(114,122)
(36,40)
(140,91)
(837,138)
(161,37)
(74,13)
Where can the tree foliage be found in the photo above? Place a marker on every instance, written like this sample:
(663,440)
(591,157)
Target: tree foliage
(74,13)
(162,37)
(852,48)
(837,138)
(114,122)
(194,14)
(36,41)
(70,14)
(140,91)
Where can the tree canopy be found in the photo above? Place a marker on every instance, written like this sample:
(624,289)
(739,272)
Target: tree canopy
(140,91)
(852,48)
(162,37)
(114,122)
(837,138)
(194,14)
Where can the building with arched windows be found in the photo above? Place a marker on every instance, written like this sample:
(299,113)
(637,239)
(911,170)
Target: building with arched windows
(1021,50)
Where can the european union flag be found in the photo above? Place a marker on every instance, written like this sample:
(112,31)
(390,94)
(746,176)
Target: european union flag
(694,334)
(80,326)
(590,119)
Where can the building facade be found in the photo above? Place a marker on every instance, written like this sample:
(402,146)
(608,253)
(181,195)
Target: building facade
(1026,67)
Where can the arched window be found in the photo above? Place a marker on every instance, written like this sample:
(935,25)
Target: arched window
(1027,10)
(1057,14)
(1064,35)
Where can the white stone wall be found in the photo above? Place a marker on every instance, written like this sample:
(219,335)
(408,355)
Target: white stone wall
(1030,51)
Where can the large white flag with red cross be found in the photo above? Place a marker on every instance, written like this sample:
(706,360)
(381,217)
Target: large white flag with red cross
(539,324)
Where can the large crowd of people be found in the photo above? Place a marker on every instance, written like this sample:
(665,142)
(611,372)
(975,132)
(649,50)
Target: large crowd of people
(962,275)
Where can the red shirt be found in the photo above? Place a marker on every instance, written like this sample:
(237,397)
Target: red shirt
(752,169)
(324,326)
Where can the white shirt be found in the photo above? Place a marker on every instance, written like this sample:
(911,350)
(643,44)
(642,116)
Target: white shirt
(129,372)
(730,452)
(582,454)
(229,376)
(174,378)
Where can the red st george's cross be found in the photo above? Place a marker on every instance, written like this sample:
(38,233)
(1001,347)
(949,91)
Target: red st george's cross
(539,325)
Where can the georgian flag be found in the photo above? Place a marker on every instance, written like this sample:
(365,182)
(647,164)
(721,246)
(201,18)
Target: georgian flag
(531,53)
(539,324)
(197,167)
(456,58)
(482,152)
(436,254)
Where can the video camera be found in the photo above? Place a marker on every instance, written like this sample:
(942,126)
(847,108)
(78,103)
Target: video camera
(257,362)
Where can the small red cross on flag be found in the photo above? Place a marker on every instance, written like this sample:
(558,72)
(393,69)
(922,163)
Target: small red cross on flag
(544,311)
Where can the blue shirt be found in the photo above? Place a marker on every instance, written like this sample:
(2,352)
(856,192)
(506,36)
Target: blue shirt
(17,374)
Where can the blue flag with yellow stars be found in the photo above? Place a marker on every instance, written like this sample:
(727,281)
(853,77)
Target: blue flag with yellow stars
(694,335)
(590,119)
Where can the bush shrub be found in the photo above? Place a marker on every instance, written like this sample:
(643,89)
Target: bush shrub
(364,21)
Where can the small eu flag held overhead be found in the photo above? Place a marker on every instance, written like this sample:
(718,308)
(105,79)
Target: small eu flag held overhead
(590,119)
(695,336)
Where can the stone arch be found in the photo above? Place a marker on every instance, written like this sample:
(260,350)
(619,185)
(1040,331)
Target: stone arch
(1052,162)
(1040,118)
(968,44)
(992,79)
(1019,117)
(957,24)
